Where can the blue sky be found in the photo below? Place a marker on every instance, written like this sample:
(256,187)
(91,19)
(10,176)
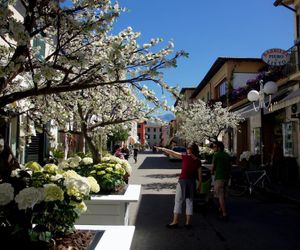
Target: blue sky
(208,30)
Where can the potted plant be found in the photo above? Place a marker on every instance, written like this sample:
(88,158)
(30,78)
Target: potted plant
(109,206)
(39,205)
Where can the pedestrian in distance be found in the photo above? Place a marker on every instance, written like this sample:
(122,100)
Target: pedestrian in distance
(7,160)
(125,152)
(117,152)
(221,168)
(135,154)
(191,170)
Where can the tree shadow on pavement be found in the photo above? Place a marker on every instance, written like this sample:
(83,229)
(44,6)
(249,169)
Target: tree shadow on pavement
(159,162)
(162,176)
(159,186)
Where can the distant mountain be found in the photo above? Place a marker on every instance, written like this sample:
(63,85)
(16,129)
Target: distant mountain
(166,117)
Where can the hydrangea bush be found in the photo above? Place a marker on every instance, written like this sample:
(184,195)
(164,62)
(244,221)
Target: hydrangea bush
(110,174)
(38,203)
(246,155)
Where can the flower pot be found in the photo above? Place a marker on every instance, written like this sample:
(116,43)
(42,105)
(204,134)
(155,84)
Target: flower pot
(112,237)
(110,209)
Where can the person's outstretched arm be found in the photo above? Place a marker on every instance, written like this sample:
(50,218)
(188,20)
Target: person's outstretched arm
(170,152)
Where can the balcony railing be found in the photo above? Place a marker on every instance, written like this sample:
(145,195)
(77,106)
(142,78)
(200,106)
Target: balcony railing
(293,65)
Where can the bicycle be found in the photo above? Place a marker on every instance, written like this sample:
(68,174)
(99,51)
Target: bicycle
(250,181)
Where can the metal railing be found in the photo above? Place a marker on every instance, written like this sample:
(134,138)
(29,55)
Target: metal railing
(293,65)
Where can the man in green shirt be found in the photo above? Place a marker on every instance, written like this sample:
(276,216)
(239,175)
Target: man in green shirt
(221,169)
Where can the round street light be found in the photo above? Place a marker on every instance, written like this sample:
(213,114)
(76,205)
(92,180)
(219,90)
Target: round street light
(268,89)
(253,96)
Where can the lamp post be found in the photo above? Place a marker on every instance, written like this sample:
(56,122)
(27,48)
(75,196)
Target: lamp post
(253,96)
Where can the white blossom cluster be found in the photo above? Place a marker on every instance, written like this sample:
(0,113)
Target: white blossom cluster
(201,122)
(81,51)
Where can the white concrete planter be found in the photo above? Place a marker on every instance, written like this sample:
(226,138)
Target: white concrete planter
(110,209)
(114,237)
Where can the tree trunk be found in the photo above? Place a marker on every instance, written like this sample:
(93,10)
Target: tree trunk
(92,147)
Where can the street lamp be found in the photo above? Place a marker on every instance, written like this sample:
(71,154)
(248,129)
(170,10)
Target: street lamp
(253,96)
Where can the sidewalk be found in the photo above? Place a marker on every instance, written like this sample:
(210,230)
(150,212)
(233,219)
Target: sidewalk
(290,192)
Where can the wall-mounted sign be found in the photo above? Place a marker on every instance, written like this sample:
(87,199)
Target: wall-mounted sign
(275,57)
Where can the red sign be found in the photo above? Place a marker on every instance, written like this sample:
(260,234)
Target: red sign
(276,57)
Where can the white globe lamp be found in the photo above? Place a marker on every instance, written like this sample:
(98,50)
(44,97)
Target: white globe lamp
(270,88)
(253,96)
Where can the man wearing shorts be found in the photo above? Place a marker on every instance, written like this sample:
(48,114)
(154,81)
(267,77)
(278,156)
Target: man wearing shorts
(221,169)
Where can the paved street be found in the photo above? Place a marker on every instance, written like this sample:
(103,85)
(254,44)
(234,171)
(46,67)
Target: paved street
(269,223)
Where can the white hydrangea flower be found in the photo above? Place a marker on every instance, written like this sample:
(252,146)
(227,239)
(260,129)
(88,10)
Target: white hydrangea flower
(53,192)
(94,184)
(51,168)
(63,164)
(80,208)
(28,197)
(245,155)
(87,161)
(6,193)
(77,186)
(56,177)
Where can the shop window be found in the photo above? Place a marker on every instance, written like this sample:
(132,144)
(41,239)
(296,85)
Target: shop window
(222,88)
(288,145)
(257,140)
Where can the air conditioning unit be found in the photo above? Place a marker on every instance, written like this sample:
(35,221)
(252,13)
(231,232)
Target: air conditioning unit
(295,112)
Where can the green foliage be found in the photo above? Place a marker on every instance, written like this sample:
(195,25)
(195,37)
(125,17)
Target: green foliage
(57,153)
(118,133)
(109,175)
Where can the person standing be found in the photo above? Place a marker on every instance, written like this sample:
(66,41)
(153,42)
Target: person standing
(125,152)
(221,167)
(135,153)
(191,170)
(7,160)
(117,152)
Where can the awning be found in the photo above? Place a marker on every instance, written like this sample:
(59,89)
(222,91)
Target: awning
(292,98)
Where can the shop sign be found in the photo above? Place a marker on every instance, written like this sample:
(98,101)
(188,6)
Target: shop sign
(275,57)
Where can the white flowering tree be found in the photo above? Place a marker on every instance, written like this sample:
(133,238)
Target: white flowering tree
(82,52)
(201,121)
(91,112)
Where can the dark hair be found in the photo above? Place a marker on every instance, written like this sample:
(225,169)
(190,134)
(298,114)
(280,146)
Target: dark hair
(195,149)
(220,145)
(115,148)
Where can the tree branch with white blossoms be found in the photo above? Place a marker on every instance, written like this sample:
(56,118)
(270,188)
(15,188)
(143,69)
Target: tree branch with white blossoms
(82,51)
(91,112)
(201,121)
